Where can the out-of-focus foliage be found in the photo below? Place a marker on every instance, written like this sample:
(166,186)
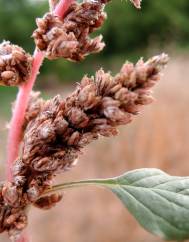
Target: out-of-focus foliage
(126,32)
(158,21)
(17,21)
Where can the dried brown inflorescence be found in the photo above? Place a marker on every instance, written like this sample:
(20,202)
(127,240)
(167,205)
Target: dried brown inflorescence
(69,37)
(57,130)
(15,64)
(55,137)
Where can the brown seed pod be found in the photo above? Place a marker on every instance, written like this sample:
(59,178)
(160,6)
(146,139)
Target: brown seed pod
(15,64)
(11,195)
(48,202)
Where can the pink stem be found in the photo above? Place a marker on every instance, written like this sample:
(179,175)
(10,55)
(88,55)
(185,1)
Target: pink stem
(62,7)
(15,133)
(24,237)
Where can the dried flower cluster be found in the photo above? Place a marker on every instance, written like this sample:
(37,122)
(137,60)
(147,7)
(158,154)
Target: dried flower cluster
(15,64)
(57,130)
(69,37)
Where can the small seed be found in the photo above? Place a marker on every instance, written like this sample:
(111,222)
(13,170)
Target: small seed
(41,23)
(1,62)
(19,55)
(7,75)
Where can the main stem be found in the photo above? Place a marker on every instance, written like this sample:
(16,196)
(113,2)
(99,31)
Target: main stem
(15,133)
(16,124)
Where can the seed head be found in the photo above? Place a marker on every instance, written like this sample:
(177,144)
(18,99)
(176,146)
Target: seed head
(69,37)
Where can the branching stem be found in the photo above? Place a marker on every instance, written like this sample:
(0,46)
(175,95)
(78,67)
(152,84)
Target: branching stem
(70,185)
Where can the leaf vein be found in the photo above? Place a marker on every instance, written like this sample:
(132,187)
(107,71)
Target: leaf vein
(170,201)
(151,211)
(133,183)
(172,180)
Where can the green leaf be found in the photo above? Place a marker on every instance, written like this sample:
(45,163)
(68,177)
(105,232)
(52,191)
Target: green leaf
(158,201)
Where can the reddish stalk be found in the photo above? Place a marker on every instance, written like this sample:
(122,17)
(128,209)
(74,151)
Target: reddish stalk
(62,7)
(15,132)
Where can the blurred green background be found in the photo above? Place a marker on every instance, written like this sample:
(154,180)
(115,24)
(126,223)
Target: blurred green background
(128,33)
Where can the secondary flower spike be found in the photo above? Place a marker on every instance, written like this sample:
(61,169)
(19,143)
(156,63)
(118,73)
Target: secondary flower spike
(15,64)
(54,138)
(69,37)
(99,104)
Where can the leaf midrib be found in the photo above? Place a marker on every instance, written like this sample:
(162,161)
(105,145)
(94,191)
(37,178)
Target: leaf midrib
(116,183)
